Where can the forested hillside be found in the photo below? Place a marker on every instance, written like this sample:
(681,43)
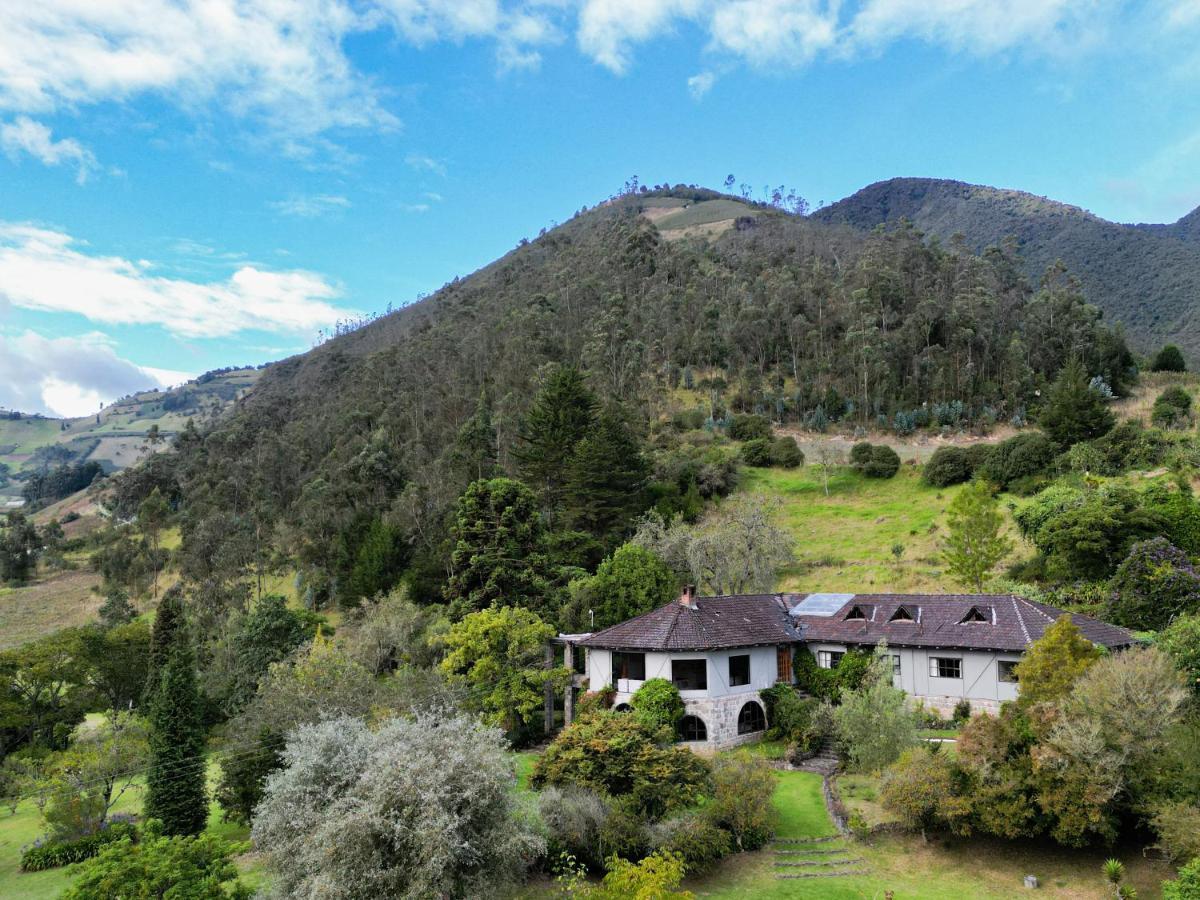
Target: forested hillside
(364,445)
(1144,276)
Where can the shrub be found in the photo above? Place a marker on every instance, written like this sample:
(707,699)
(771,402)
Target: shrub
(977,456)
(1178,827)
(756,452)
(788,714)
(786,453)
(574,819)
(1131,445)
(749,427)
(1168,359)
(884,463)
(657,704)
(1021,456)
(595,701)
(695,839)
(860,454)
(1155,583)
(740,801)
(1172,408)
(1186,886)
(874,722)
(40,857)
(947,466)
(620,756)
(962,711)
(923,789)
(1181,642)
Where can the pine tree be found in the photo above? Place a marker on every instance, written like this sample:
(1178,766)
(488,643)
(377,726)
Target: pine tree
(168,624)
(608,475)
(562,414)
(474,452)
(975,543)
(175,782)
(1073,411)
(116,608)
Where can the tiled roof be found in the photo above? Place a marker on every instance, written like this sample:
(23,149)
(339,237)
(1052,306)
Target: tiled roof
(1011,622)
(710,623)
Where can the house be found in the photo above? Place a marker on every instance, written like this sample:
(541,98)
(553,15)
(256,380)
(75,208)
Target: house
(722,651)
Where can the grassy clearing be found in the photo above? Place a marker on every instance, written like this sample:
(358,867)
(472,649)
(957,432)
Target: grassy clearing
(844,540)
(57,601)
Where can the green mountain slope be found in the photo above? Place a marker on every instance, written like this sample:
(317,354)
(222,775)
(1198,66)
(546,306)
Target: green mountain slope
(1144,276)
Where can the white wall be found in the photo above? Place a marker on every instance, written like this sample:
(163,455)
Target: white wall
(658,665)
(980,681)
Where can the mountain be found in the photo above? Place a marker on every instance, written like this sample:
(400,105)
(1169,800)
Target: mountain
(1145,276)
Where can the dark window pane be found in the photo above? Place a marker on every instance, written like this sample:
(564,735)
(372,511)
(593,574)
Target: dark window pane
(739,670)
(690,674)
(692,728)
(631,666)
(1007,670)
(751,719)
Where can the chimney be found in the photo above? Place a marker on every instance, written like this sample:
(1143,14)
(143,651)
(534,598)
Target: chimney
(688,597)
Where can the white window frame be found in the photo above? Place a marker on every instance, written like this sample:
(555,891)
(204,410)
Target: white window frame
(935,669)
(895,665)
(825,658)
(1012,671)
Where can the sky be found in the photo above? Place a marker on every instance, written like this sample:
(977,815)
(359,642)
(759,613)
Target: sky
(192,184)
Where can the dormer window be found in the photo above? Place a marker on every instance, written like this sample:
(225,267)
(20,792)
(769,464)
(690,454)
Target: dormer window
(904,614)
(856,614)
(977,614)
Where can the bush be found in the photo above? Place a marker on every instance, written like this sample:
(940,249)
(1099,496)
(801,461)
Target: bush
(962,711)
(1021,456)
(1186,886)
(947,466)
(748,427)
(977,456)
(923,789)
(595,701)
(1181,642)
(40,857)
(575,820)
(788,714)
(786,453)
(874,722)
(1178,827)
(695,839)
(884,463)
(756,452)
(740,802)
(1168,359)
(657,704)
(1172,408)
(620,756)
(1154,584)
(860,454)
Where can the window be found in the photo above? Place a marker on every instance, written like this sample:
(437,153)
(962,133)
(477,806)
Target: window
(945,667)
(829,659)
(896,665)
(739,670)
(692,728)
(690,674)
(630,666)
(751,719)
(1006,669)
(856,614)
(903,614)
(977,614)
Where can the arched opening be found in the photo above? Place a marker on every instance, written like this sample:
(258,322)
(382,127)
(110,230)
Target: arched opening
(692,728)
(751,719)
(622,707)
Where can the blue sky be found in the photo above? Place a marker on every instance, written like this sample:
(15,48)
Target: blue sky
(187,185)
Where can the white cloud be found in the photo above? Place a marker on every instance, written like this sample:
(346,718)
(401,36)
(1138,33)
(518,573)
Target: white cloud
(415,207)
(701,84)
(310,206)
(422,163)
(608,27)
(42,269)
(774,32)
(25,136)
(70,376)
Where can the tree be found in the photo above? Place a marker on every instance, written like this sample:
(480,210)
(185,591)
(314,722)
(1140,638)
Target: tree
(1020,457)
(828,459)
(607,478)
(1172,408)
(18,549)
(740,799)
(562,414)
(657,704)
(1073,411)
(420,807)
(498,555)
(40,699)
(1186,886)
(498,654)
(158,865)
(152,516)
(116,608)
(874,722)
(90,776)
(175,780)
(735,549)
(474,453)
(975,540)
(1054,661)
(1168,359)
(924,789)
(1153,585)
(630,582)
(378,563)
(113,662)
(168,629)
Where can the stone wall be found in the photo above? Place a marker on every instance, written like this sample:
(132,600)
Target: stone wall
(945,705)
(720,718)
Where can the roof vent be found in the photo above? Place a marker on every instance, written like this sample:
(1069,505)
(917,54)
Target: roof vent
(977,614)
(856,614)
(905,614)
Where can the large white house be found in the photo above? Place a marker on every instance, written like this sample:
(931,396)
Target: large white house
(722,651)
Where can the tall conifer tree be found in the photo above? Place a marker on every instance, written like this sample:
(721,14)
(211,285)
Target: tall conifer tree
(562,414)
(608,475)
(175,782)
(168,622)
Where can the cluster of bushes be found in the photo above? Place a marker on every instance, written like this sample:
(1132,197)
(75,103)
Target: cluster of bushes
(54,854)
(874,460)
(612,785)
(760,446)
(1020,463)
(1172,408)
(955,465)
(830,684)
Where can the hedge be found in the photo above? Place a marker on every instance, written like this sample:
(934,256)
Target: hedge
(40,857)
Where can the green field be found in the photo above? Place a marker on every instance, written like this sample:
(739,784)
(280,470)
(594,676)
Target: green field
(844,540)
(703,213)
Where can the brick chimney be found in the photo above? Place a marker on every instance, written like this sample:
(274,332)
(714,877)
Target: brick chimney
(688,597)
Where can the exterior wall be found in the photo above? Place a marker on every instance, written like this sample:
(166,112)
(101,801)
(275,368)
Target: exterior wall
(980,682)
(718,706)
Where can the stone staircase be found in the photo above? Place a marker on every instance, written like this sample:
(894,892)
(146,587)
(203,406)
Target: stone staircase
(826,761)
(815,858)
